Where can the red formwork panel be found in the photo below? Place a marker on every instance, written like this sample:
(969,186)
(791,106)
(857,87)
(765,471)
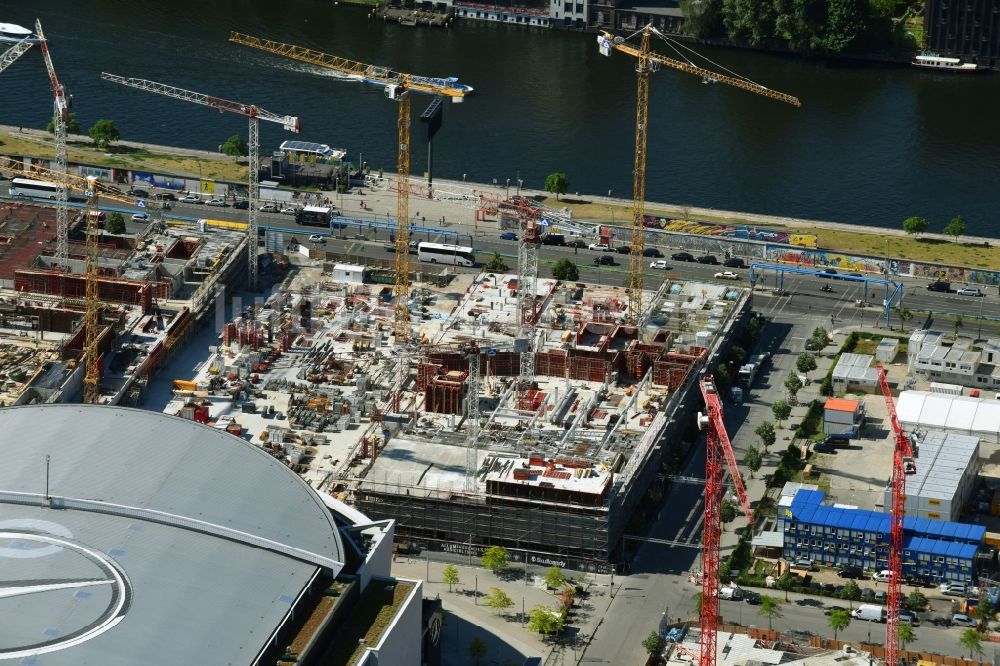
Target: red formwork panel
(71,285)
(449,361)
(551,363)
(444,396)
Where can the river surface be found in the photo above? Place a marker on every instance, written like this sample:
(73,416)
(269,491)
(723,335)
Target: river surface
(871,144)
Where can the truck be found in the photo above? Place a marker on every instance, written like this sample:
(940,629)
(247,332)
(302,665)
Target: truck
(870,613)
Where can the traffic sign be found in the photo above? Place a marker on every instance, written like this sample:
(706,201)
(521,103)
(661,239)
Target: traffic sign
(491,352)
(141,203)
(544,221)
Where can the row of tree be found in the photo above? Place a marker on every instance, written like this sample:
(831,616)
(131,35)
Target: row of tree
(915,226)
(803,26)
(104,132)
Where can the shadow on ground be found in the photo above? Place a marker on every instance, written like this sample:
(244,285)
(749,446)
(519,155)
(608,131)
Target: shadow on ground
(459,632)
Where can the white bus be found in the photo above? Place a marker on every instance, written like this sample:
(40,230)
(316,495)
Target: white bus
(439,253)
(23,187)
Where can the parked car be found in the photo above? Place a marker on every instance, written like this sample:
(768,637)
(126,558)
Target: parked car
(604,261)
(508,235)
(651,252)
(939,621)
(140,217)
(624,249)
(828,273)
(734,262)
(708,259)
(953,589)
(908,617)
(288,210)
(940,285)
(269,208)
(600,247)
(242,204)
(882,576)
(880,596)
(554,239)
(752,598)
(317,238)
(733,593)
(971,291)
(165,196)
(962,620)
(580,244)
(727,275)
(217,201)
(191,198)
(140,193)
(850,572)
(659,264)
(682,256)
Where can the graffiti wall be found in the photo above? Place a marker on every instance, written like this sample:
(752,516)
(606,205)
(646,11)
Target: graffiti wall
(739,232)
(865,264)
(165,182)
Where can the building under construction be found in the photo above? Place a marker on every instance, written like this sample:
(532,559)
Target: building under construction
(153,289)
(471,453)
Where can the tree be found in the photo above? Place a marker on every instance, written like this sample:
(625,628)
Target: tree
(905,634)
(104,133)
(806,362)
(973,640)
(916,601)
(769,608)
(477,648)
(851,592)
(820,338)
(235,146)
(450,576)
(904,316)
(654,644)
(727,512)
(915,226)
(785,582)
(72,125)
(957,324)
(702,18)
(838,620)
(496,264)
(722,377)
(116,224)
(557,183)
(985,611)
(554,578)
(498,600)
(696,597)
(737,354)
(845,21)
(752,459)
(565,270)
(495,558)
(545,620)
(955,228)
(766,433)
(793,384)
(781,410)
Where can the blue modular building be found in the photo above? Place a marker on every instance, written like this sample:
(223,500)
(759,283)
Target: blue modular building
(836,536)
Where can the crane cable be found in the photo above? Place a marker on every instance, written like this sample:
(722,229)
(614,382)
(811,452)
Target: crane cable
(675,45)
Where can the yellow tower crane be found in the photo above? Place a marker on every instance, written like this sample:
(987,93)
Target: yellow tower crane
(397,87)
(650,61)
(92,189)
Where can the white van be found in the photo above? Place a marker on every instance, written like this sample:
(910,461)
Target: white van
(869,612)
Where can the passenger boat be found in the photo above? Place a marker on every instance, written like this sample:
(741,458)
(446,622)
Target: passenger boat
(383,76)
(943,64)
(11,34)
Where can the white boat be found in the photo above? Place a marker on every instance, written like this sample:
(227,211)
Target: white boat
(941,63)
(11,34)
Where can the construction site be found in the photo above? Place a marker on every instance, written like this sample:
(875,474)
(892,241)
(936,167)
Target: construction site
(469,451)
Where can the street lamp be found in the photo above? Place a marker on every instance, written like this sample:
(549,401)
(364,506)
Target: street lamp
(507,193)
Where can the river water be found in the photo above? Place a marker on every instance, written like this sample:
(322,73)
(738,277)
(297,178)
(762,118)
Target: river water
(871,144)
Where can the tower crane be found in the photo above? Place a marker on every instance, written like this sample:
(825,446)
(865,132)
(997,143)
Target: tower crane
(903,464)
(717,446)
(60,116)
(255,114)
(10,56)
(649,61)
(92,189)
(398,86)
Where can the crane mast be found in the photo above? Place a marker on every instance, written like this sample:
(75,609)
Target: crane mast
(717,448)
(648,61)
(60,116)
(254,114)
(91,321)
(903,463)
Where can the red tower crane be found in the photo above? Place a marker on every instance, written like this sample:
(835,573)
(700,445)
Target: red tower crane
(903,463)
(717,446)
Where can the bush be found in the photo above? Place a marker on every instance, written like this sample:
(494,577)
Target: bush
(810,425)
(565,270)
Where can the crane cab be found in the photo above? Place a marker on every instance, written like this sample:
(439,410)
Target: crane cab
(909,466)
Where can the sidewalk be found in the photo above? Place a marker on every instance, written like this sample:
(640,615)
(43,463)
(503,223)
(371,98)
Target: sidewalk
(507,640)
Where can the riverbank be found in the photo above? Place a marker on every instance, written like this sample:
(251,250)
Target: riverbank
(970,251)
